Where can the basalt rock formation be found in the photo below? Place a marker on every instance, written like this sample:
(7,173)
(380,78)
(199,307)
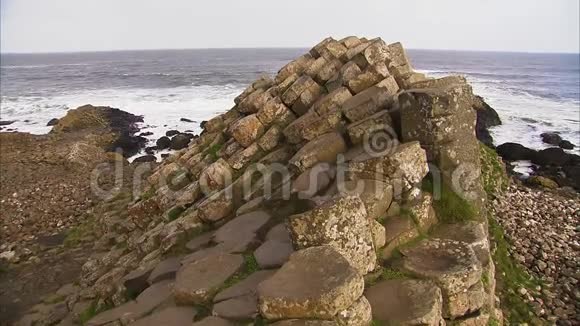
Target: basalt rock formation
(113,129)
(346,190)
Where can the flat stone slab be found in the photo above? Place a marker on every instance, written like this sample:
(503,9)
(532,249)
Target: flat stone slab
(225,247)
(242,227)
(213,321)
(239,308)
(247,286)
(148,300)
(406,302)
(136,281)
(315,283)
(174,316)
(273,253)
(165,270)
(452,265)
(280,233)
(198,282)
(199,241)
(473,233)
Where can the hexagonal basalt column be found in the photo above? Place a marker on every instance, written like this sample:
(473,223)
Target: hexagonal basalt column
(342,223)
(316,283)
(453,266)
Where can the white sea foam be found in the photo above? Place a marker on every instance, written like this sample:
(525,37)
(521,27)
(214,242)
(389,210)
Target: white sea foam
(162,109)
(525,116)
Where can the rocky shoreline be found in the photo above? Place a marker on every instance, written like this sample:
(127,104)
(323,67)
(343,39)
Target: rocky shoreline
(553,167)
(179,249)
(542,228)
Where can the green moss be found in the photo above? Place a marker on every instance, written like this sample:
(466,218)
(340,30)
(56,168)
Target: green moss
(55,298)
(382,219)
(148,194)
(511,277)
(493,176)
(485,280)
(384,274)
(409,244)
(493,322)
(174,213)
(450,207)
(91,311)
(213,150)
(250,266)
(260,321)
(81,232)
(392,274)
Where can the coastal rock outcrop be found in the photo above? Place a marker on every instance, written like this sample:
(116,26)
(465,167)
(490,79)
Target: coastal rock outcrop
(296,205)
(552,163)
(116,128)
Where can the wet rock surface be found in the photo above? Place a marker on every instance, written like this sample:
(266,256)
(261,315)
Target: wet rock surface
(553,163)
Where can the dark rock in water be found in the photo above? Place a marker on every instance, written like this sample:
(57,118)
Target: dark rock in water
(515,152)
(129,144)
(188,131)
(105,121)
(145,158)
(124,124)
(186,120)
(551,138)
(52,122)
(5,122)
(572,173)
(487,117)
(202,124)
(163,142)
(565,144)
(165,155)
(150,149)
(180,141)
(145,134)
(551,156)
(170,133)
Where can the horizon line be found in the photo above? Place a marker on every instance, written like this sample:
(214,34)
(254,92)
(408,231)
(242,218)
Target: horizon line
(272,48)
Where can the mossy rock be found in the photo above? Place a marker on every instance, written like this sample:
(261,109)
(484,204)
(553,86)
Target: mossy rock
(544,182)
(493,173)
(84,117)
(449,206)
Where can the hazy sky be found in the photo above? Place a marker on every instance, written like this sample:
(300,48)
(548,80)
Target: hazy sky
(85,25)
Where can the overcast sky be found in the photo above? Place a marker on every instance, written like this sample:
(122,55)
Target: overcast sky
(86,25)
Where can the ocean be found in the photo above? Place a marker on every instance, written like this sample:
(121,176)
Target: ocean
(533,93)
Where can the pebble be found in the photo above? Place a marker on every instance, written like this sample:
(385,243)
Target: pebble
(543,228)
